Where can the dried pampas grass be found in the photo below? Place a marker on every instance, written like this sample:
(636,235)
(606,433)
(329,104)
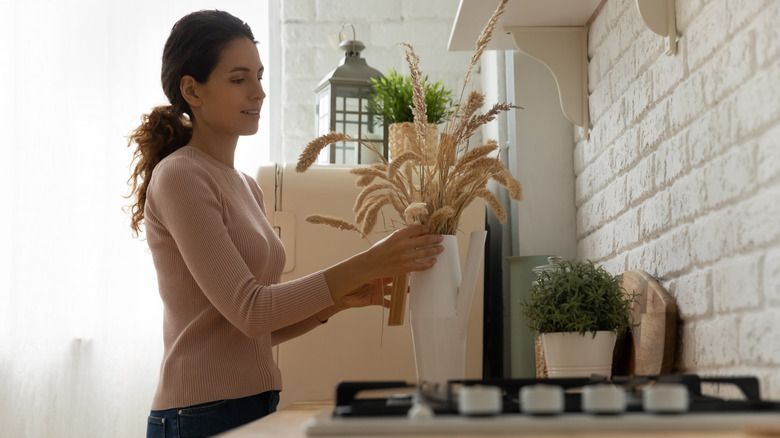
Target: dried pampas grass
(482,41)
(416,213)
(332,221)
(312,150)
(431,187)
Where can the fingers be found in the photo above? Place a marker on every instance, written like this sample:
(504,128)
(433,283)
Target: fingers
(427,241)
(425,246)
(419,235)
(421,264)
(423,257)
(429,251)
(413,230)
(408,249)
(416,235)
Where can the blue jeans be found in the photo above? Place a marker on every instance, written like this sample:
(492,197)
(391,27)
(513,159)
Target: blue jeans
(207,419)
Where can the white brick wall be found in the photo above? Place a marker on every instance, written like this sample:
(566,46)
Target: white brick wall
(307,55)
(681,173)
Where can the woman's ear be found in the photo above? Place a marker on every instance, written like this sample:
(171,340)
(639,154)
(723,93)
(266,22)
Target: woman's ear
(189,90)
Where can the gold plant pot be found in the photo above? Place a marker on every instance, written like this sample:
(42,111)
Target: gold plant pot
(402,138)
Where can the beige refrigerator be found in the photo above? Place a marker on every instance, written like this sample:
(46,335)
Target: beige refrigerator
(356,344)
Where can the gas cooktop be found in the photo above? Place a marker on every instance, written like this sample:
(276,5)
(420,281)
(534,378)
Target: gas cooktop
(623,403)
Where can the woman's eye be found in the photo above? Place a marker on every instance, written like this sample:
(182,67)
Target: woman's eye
(238,81)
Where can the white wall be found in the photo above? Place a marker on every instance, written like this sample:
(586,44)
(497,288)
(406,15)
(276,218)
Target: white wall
(543,142)
(307,54)
(681,174)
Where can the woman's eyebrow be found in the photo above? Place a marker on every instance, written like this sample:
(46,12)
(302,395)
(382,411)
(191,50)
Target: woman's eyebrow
(246,69)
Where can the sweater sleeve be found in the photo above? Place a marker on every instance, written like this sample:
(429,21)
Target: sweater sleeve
(295,330)
(189,204)
(292,331)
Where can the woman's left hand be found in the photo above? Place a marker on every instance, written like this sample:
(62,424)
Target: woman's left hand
(373,293)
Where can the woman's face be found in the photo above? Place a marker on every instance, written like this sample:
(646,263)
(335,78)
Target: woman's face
(233,95)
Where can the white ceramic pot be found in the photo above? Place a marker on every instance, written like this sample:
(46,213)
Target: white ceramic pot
(576,355)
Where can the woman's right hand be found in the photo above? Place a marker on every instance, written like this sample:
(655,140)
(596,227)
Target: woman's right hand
(406,250)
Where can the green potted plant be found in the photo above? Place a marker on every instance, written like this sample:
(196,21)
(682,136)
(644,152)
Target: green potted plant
(578,309)
(392,104)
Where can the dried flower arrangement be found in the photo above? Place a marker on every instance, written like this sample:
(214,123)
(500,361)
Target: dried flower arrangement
(432,190)
(428,186)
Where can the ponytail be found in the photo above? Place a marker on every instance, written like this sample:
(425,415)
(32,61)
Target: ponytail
(162,132)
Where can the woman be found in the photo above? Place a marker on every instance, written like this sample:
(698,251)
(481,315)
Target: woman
(217,258)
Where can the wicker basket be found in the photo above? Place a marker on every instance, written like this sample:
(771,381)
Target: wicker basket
(401,138)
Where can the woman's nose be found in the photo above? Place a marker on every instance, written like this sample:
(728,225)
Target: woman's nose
(259,91)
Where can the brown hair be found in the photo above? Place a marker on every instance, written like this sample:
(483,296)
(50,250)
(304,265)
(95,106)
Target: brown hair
(192,49)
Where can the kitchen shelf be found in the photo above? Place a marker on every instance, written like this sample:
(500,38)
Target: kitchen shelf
(555,32)
(472,16)
(659,17)
(563,50)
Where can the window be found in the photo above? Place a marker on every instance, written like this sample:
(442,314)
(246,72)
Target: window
(81,316)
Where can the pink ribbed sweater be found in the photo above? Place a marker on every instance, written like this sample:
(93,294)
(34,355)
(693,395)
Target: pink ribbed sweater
(218,264)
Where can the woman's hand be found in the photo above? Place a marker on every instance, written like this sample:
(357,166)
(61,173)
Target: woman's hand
(406,250)
(373,293)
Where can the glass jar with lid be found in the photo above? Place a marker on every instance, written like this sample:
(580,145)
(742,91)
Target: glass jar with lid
(553,263)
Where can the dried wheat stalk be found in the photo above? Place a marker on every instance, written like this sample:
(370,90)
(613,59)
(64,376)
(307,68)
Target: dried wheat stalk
(312,150)
(482,42)
(332,221)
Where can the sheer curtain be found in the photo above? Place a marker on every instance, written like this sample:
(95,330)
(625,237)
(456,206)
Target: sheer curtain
(81,319)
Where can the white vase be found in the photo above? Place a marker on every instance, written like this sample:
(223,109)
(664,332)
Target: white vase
(571,354)
(439,304)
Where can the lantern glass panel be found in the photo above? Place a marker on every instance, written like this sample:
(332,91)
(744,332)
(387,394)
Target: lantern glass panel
(367,156)
(352,129)
(352,104)
(344,152)
(323,112)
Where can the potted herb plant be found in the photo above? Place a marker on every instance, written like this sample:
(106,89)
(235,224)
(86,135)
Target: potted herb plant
(392,102)
(578,309)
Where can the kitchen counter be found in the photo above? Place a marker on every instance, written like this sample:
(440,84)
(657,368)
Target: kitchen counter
(286,423)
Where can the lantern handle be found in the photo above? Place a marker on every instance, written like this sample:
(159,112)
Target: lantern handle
(354,37)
